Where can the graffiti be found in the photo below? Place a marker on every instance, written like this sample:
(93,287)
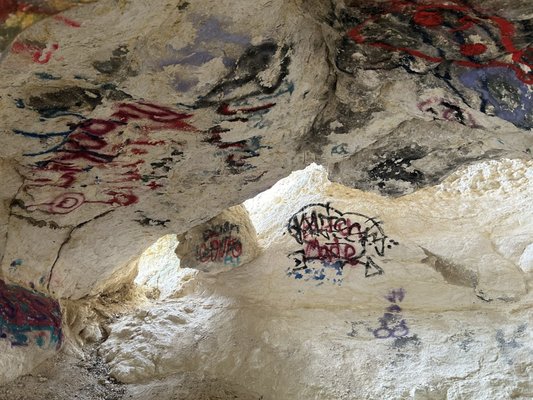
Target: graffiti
(146,221)
(237,153)
(246,78)
(40,54)
(92,152)
(391,324)
(210,35)
(15,264)
(459,44)
(93,148)
(17,15)
(502,94)
(67,21)
(509,343)
(340,149)
(220,246)
(243,96)
(28,317)
(447,110)
(398,165)
(331,240)
(67,202)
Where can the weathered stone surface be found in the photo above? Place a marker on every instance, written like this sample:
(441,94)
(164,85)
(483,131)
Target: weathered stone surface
(357,296)
(124,121)
(140,127)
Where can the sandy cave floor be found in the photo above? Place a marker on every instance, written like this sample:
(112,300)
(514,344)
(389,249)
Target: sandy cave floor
(67,377)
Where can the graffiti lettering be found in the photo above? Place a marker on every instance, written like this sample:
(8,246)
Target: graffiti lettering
(93,146)
(331,239)
(220,246)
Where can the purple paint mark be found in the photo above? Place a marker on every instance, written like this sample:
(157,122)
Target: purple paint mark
(212,29)
(197,58)
(391,323)
(184,85)
(511,98)
(205,48)
(197,53)
(395,295)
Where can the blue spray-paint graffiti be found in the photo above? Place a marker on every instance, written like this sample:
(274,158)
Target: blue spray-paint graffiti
(27,316)
(510,98)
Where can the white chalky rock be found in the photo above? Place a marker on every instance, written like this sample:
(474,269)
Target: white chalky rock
(426,318)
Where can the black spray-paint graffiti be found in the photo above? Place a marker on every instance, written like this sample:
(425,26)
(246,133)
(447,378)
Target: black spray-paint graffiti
(391,324)
(331,240)
(147,221)
(219,245)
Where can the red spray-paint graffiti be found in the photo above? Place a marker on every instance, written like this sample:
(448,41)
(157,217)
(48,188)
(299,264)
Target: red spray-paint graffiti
(67,21)
(95,146)
(39,54)
(26,316)
(445,30)
(333,240)
(219,245)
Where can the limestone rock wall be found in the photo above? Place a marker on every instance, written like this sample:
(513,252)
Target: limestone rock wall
(126,133)
(125,120)
(357,296)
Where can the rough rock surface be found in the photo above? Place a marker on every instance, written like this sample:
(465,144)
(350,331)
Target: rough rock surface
(428,306)
(125,120)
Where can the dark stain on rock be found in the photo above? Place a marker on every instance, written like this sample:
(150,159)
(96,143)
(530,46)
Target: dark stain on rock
(452,273)
(115,63)
(315,141)
(351,119)
(46,76)
(183,5)
(112,93)
(32,221)
(402,342)
(69,99)
(397,166)
(146,221)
